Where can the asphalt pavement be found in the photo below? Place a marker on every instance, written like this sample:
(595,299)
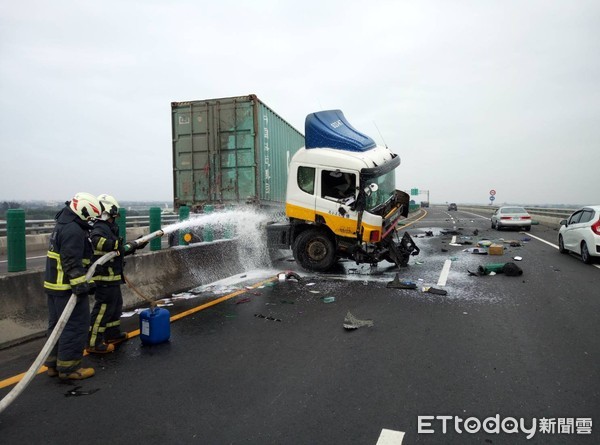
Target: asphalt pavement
(256,360)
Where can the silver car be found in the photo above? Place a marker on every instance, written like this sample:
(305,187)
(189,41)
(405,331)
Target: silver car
(511,216)
(580,233)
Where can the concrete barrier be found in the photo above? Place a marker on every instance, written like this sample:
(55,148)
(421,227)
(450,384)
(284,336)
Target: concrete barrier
(23,307)
(39,243)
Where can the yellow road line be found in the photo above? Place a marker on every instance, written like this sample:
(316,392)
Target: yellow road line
(415,221)
(17,378)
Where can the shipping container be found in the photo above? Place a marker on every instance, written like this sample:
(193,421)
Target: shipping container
(230,151)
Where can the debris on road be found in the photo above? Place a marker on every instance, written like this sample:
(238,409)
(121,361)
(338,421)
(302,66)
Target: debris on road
(433,290)
(267,317)
(508,269)
(288,275)
(476,250)
(328,299)
(397,283)
(512,270)
(352,323)
(496,249)
(78,392)
(517,258)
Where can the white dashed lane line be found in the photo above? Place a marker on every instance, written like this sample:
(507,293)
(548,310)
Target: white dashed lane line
(550,244)
(444,274)
(390,437)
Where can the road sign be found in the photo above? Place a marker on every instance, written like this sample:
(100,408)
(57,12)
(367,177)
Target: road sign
(414,192)
(492,192)
(492,197)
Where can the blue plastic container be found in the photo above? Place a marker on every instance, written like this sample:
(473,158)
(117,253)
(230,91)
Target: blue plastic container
(155,326)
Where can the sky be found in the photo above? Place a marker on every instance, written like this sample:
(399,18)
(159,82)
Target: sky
(473,95)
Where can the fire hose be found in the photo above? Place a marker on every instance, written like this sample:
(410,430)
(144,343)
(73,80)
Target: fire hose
(62,321)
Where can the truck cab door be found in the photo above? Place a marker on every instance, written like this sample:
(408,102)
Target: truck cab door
(300,199)
(336,194)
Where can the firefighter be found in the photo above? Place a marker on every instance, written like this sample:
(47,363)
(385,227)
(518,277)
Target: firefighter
(105,322)
(69,255)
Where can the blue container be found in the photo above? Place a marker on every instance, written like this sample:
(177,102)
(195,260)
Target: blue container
(155,326)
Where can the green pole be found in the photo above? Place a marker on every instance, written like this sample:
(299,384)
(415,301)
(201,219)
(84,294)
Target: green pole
(207,232)
(154,226)
(184,213)
(122,222)
(229,231)
(15,239)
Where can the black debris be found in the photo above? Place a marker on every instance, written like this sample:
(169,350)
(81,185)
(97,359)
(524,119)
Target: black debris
(267,317)
(433,290)
(78,392)
(401,284)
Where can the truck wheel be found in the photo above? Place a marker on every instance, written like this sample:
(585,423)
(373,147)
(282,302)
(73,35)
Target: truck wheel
(314,250)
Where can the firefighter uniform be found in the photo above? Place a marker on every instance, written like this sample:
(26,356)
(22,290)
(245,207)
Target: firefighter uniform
(69,255)
(106,315)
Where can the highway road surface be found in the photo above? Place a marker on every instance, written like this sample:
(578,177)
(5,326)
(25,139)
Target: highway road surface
(254,360)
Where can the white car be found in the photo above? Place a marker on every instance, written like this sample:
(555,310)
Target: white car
(580,233)
(511,216)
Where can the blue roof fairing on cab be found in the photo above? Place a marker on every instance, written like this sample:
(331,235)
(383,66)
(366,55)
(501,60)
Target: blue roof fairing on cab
(331,129)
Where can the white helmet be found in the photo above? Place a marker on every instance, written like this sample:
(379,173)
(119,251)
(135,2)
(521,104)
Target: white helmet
(86,206)
(110,206)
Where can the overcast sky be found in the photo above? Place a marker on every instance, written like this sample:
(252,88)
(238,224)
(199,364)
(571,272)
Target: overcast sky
(473,95)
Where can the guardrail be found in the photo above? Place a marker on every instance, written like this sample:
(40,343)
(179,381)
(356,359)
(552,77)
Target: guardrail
(561,213)
(45,226)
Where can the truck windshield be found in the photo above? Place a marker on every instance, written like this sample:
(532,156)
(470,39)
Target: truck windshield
(386,188)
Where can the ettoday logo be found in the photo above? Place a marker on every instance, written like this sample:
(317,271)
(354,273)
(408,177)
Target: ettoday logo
(507,425)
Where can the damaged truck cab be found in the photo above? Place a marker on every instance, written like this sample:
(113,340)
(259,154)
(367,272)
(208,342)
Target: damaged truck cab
(341,199)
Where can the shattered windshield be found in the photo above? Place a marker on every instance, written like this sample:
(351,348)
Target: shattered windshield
(386,188)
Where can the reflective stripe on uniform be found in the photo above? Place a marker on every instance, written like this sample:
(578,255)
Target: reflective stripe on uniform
(96,328)
(100,244)
(112,324)
(107,278)
(68,363)
(59,272)
(78,280)
(54,286)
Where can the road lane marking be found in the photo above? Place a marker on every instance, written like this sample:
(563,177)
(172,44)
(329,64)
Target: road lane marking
(413,222)
(550,244)
(479,216)
(444,274)
(540,239)
(17,378)
(390,437)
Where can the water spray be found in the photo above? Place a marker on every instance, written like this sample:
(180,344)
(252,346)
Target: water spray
(62,321)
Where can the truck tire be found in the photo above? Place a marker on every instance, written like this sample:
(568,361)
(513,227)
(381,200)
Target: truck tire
(315,250)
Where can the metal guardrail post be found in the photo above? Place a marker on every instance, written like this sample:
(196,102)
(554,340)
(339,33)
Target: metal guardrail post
(207,232)
(154,226)
(122,222)
(184,213)
(15,233)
